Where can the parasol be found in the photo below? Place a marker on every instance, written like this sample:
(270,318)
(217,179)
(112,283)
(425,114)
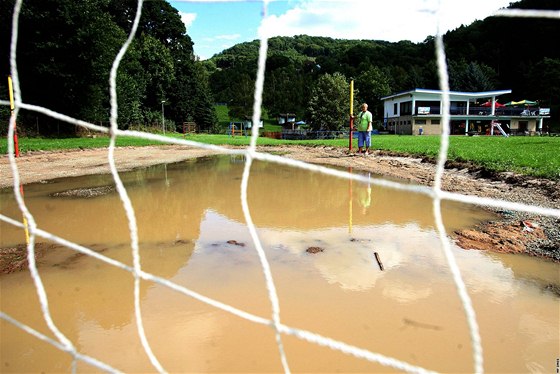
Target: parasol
(522,102)
(489,104)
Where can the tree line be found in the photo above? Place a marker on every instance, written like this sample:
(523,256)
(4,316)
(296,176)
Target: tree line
(66,48)
(307,75)
(65,51)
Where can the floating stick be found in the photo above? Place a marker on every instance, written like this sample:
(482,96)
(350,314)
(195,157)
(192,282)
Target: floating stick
(378,261)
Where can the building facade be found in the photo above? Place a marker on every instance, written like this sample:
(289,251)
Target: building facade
(420,111)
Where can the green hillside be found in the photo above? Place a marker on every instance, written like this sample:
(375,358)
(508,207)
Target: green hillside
(485,55)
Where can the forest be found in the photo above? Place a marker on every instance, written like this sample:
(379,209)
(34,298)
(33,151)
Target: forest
(307,75)
(65,50)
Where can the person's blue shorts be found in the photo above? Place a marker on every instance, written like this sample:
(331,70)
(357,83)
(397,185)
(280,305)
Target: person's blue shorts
(364,137)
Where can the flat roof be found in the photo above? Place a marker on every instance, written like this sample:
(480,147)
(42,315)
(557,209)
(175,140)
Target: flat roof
(454,93)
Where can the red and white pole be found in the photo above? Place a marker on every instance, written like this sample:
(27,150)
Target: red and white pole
(351,114)
(12,107)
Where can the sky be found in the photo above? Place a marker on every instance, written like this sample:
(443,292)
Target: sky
(215,25)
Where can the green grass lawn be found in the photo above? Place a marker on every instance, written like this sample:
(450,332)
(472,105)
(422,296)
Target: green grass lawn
(533,156)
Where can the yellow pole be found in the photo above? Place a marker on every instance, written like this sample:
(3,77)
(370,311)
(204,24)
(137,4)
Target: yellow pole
(351,113)
(351,97)
(11,88)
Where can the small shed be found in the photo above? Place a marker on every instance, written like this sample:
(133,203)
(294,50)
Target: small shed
(248,123)
(189,127)
(287,120)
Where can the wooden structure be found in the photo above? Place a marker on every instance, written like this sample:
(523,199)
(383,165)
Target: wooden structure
(189,127)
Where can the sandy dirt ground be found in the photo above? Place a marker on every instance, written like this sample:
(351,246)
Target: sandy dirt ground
(513,232)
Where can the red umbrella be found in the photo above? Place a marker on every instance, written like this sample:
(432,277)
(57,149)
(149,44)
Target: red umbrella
(489,103)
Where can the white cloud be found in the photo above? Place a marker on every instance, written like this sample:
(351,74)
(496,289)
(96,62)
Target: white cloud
(393,20)
(187,18)
(227,37)
(221,37)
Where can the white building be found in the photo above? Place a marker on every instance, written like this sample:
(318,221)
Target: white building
(420,111)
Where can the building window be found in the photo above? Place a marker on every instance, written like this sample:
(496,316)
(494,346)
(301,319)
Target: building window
(435,122)
(429,106)
(406,108)
(395,109)
(458,107)
(420,122)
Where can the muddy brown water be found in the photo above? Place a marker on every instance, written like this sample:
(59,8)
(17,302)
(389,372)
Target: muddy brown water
(192,232)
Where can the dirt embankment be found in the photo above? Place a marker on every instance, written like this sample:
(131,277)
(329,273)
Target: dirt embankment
(514,232)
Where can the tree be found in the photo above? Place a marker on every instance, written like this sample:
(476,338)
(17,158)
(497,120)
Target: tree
(65,51)
(158,71)
(329,105)
(373,84)
(287,90)
(471,76)
(203,110)
(241,103)
(545,78)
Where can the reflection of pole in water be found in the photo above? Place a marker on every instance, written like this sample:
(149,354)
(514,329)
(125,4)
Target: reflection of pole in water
(166,180)
(350,202)
(364,196)
(16,146)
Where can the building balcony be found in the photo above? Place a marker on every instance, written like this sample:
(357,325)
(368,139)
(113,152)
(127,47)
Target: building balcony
(484,111)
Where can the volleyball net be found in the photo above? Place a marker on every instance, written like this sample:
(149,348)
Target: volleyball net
(250,153)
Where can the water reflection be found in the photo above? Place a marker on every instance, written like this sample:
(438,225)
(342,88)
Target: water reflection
(192,232)
(163,196)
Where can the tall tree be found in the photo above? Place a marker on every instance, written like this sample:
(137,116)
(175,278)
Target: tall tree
(287,90)
(65,50)
(373,84)
(329,106)
(158,71)
(471,76)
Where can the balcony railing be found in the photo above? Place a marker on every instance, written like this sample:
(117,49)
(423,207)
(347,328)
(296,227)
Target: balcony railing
(480,111)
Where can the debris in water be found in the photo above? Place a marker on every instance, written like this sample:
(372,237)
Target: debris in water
(421,325)
(554,288)
(529,226)
(314,250)
(85,192)
(378,261)
(360,240)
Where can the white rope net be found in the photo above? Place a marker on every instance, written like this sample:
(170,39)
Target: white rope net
(273,321)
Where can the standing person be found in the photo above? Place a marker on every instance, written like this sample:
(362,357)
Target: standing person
(364,128)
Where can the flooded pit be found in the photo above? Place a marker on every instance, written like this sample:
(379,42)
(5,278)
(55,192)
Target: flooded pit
(192,232)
